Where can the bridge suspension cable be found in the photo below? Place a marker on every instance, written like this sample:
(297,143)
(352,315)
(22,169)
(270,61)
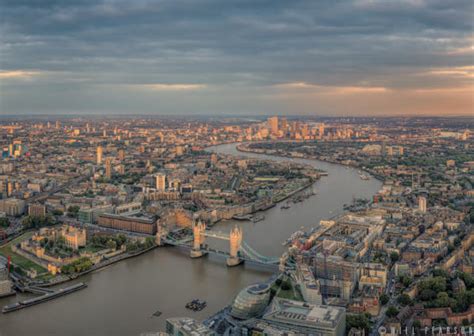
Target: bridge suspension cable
(250,253)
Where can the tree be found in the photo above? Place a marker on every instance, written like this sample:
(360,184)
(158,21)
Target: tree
(404,300)
(73,210)
(437,284)
(111,244)
(57,212)
(4,222)
(121,239)
(442,300)
(285,285)
(80,265)
(149,242)
(405,280)
(358,321)
(468,279)
(391,311)
(427,294)
(438,272)
(36,222)
(394,257)
(384,298)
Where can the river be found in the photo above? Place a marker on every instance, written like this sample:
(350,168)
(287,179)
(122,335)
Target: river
(121,298)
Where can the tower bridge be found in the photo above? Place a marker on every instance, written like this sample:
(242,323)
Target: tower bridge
(239,250)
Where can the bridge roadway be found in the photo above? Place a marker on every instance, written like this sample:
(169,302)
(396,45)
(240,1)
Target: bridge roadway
(245,253)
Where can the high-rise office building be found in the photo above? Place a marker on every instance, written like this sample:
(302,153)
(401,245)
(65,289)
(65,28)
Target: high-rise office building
(321,130)
(121,154)
(179,150)
(273,125)
(108,168)
(422,203)
(284,125)
(160,182)
(9,188)
(99,155)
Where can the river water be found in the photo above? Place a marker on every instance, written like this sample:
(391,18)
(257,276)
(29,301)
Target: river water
(121,298)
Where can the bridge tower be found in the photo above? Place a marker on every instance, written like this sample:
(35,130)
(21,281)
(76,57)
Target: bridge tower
(235,239)
(198,232)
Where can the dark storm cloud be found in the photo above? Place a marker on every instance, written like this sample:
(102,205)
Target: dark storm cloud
(78,46)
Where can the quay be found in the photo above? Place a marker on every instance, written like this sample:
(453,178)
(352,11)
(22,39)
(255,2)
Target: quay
(43,298)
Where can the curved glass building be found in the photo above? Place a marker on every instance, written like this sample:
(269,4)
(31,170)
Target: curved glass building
(251,301)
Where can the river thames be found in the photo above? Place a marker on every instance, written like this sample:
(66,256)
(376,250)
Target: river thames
(121,298)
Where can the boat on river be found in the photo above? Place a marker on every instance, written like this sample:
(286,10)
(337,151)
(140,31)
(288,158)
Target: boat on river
(196,305)
(258,218)
(242,217)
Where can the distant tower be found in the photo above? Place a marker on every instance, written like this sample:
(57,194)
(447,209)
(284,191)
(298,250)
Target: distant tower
(9,188)
(108,168)
(179,150)
(121,155)
(213,158)
(104,133)
(235,239)
(284,126)
(99,155)
(422,203)
(321,130)
(273,125)
(160,182)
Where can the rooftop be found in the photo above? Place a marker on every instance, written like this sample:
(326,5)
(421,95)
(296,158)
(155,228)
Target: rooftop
(288,311)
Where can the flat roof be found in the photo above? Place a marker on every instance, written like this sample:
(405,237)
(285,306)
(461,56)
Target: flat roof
(144,220)
(289,311)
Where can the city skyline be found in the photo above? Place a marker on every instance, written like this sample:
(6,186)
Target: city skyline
(236,226)
(355,58)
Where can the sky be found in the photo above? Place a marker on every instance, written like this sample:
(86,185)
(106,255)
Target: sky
(253,57)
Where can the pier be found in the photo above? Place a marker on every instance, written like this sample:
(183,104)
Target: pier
(47,295)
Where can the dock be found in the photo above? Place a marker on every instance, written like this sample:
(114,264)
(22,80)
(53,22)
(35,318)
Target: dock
(43,298)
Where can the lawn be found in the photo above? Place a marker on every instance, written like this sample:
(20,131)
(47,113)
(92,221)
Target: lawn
(17,259)
(91,248)
(292,293)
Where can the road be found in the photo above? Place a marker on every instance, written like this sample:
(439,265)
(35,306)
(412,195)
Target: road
(392,301)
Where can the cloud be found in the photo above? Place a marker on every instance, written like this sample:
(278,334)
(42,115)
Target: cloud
(465,71)
(169,87)
(18,74)
(213,47)
(469,89)
(341,90)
